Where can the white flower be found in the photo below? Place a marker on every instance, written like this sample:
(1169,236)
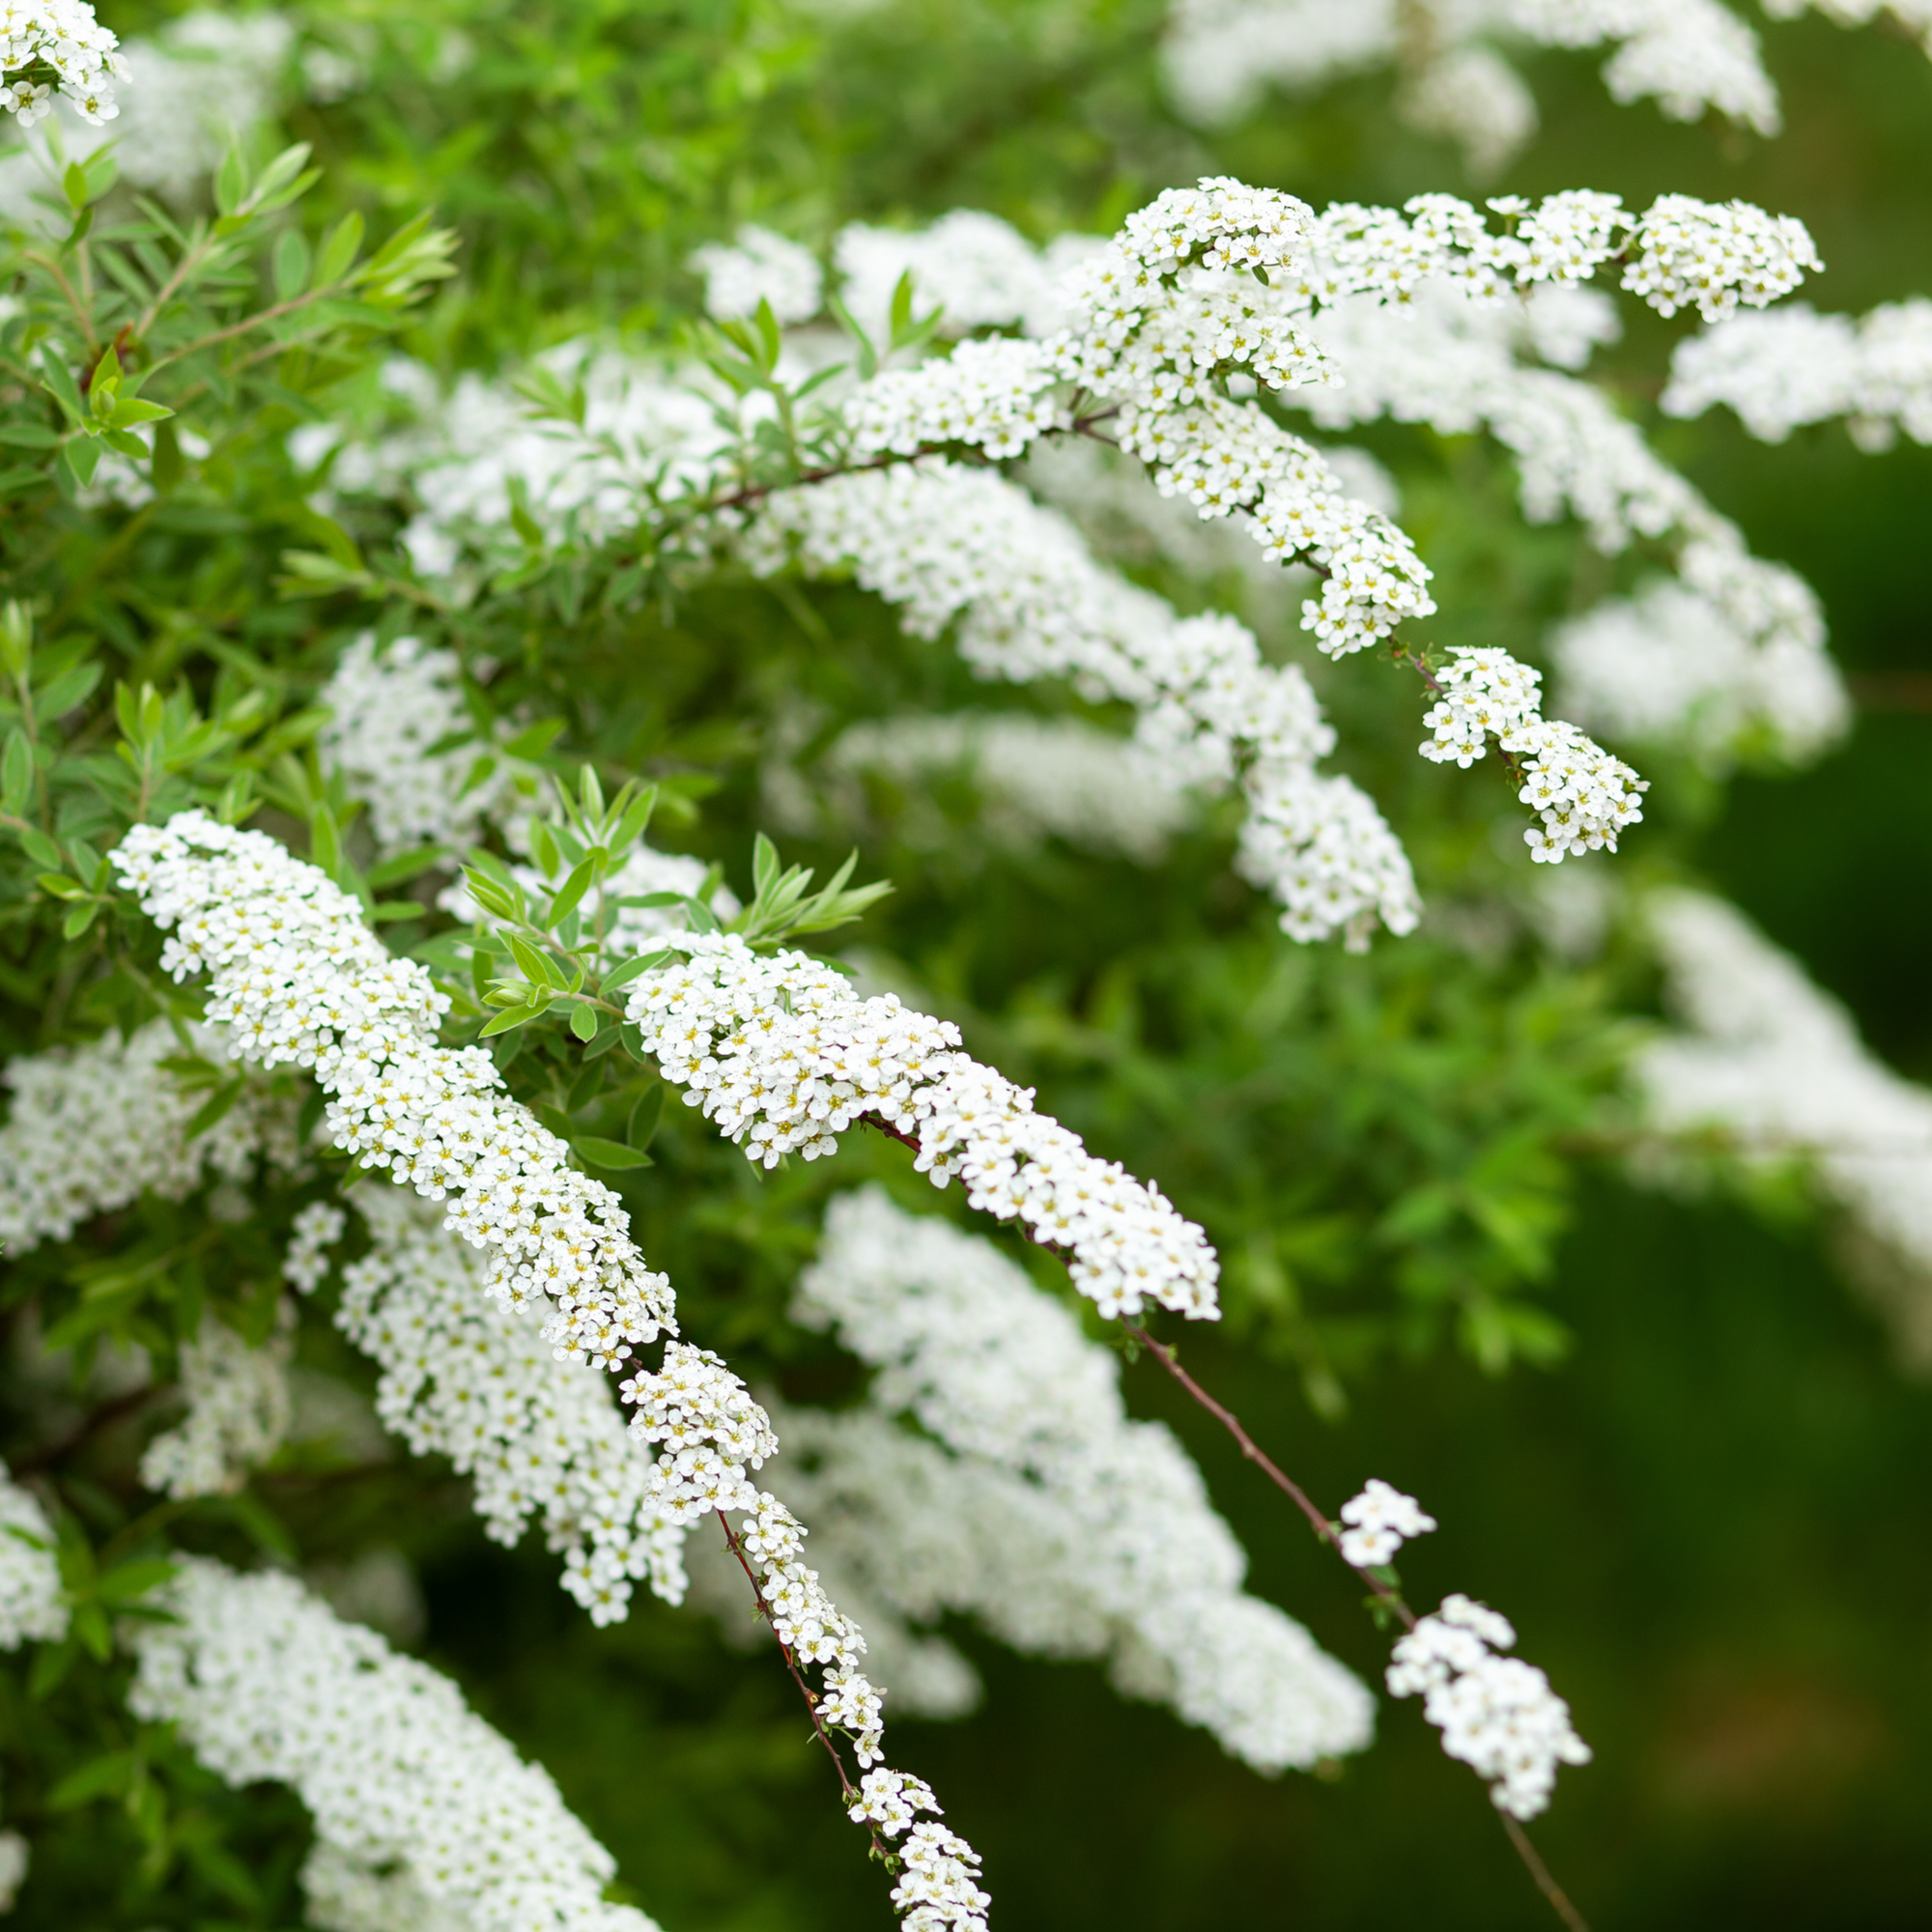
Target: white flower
(757,266)
(1497,1714)
(33,1605)
(1030,1500)
(238,1411)
(62,37)
(780,1055)
(263,1681)
(1380,1520)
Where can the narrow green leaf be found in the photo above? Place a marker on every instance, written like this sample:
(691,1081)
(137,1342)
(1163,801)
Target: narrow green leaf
(631,969)
(645,1117)
(584,1021)
(508,1018)
(610,1153)
(570,894)
(100,1776)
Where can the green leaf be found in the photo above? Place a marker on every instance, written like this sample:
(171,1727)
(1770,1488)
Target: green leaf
(570,894)
(26,435)
(17,771)
(529,961)
(216,1108)
(73,687)
(103,1775)
(292,264)
(79,919)
(510,1017)
(74,184)
(61,385)
(585,1020)
(534,740)
(133,409)
(126,1582)
(643,962)
(231,183)
(40,849)
(610,1154)
(82,456)
(645,1117)
(338,252)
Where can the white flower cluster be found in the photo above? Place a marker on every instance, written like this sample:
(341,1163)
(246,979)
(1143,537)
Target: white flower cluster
(1037,778)
(758,266)
(1914,15)
(464,1378)
(939,1891)
(476,455)
(1497,1714)
(779,1053)
(1033,1501)
(264,1681)
(1670,667)
(1378,1522)
(1794,366)
(1452,362)
(315,1230)
(1583,796)
(1692,254)
(297,976)
(33,1605)
(14,1858)
(945,542)
(390,707)
(1777,1067)
(237,1413)
(90,1128)
(993,395)
(971,267)
(1689,55)
(64,39)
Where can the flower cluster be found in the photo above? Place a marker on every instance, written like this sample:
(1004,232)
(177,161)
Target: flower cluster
(1671,666)
(939,1888)
(237,1413)
(779,1052)
(390,708)
(32,1603)
(459,1378)
(1583,796)
(946,542)
(1688,253)
(1035,776)
(757,267)
(60,39)
(315,1230)
(1689,55)
(994,395)
(1775,1067)
(973,267)
(297,976)
(1497,1714)
(1378,1522)
(94,1128)
(1033,1501)
(263,1681)
(1794,366)
(709,1430)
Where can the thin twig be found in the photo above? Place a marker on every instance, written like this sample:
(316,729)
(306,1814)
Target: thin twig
(84,1431)
(1169,1357)
(845,1784)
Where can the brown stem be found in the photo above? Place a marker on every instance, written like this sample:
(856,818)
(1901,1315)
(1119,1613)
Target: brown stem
(845,1784)
(1540,1872)
(1169,1357)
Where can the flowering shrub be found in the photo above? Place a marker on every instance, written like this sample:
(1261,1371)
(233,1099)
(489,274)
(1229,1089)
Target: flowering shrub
(440,670)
